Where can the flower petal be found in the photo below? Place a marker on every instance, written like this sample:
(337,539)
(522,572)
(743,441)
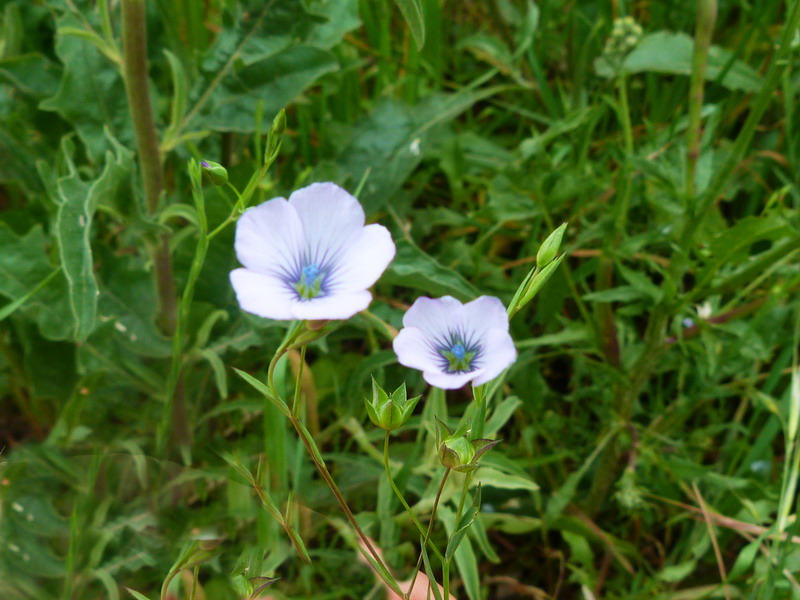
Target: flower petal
(434,317)
(483,314)
(335,306)
(263,295)
(498,353)
(447,381)
(330,217)
(414,350)
(362,262)
(269,238)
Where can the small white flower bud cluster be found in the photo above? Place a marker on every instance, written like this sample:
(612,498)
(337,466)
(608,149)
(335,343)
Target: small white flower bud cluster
(625,35)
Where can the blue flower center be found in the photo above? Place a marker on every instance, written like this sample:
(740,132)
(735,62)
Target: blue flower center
(458,357)
(309,285)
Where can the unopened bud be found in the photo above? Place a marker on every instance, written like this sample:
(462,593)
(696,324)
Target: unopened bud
(214,173)
(549,248)
(459,452)
(390,412)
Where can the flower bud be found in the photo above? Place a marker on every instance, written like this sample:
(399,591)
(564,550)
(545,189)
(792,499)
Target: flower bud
(459,452)
(390,412)
(214,173)
(549,248)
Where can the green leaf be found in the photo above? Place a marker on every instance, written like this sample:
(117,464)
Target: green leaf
(92,95)
(387,145)
(180,93)
(669,52)
(491,477)
(623,293)
(463,525)
(275,81)
(32,74)
(414,268)
(77,203)
(264,390)
(466,561)
(136,594)
(218,367)
(412,13)
(676,573)
(23,267)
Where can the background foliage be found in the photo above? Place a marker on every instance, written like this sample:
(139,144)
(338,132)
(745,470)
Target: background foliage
(649,424)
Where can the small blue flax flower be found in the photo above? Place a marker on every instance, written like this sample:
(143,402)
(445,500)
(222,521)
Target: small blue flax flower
(309,257)
(453,343)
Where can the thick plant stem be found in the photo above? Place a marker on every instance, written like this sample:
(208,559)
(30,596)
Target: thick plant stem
(706,17)
(134,46)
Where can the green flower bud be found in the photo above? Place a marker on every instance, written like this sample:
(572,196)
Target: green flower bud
(549,248)
(390,412)
(459,452)
(279,123)
(214,173)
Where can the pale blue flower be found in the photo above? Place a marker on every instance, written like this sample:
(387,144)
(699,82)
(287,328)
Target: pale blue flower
(309,257)
(453,343)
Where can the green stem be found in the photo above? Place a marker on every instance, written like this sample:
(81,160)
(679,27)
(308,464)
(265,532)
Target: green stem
(479,420)
(704,28)
(298,380)
(399,494)
(134,44)
(459,511)
(383,572)
(426,539)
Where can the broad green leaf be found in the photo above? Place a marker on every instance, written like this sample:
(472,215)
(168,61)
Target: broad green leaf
(387,145)
(78,200)
(412,13)
(91,95)
(414,268)
(276,81)
(32,74)
(491,477)
(669,52)
(23,267)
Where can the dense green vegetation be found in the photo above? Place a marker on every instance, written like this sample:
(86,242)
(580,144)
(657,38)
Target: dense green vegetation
(649,425)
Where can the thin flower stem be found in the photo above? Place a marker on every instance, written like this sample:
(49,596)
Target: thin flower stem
(291,337)
(399,494)
(479,421)
(461,502)
(426,540)
(383,572)
(298,379)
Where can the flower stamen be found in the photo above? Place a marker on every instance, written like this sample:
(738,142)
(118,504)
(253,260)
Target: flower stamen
(458,357)
(309,285)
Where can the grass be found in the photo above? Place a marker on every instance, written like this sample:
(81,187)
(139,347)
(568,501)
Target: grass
(649,424)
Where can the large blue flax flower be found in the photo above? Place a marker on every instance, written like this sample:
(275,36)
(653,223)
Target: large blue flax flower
(309,257)
(453,343)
